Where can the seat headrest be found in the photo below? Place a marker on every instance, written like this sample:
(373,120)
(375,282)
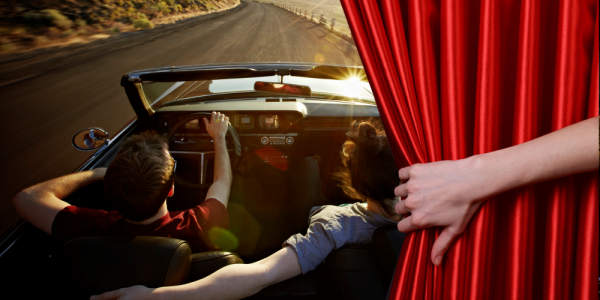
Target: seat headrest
(94,265)
(387,243)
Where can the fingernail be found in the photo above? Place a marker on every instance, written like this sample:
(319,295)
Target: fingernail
(438,260)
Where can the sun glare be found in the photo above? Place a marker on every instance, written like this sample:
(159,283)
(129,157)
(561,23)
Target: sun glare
(354,80)
(352,86)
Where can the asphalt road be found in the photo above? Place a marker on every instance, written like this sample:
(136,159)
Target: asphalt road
(39,116)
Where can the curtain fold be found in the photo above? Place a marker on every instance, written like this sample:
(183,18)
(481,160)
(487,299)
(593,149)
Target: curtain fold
(455,78)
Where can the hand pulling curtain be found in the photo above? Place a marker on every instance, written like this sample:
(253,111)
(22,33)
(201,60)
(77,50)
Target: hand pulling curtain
(455,78)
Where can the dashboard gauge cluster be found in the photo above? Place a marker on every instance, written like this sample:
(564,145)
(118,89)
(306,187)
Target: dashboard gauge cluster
(256,122)
(254,128)
(269,121)
(243,121)
(193,124)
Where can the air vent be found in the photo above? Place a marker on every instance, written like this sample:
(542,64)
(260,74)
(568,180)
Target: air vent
(272,100)
(289,100)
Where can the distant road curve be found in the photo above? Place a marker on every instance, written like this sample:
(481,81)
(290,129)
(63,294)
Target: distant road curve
(39,116)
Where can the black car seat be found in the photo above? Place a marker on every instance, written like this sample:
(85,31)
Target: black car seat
(350,272)
(363,271)
(92,265)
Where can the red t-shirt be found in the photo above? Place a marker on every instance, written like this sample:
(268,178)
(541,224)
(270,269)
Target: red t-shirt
(192,225)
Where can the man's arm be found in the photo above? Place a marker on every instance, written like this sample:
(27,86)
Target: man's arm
(231,282)
(217,128)
(40,203)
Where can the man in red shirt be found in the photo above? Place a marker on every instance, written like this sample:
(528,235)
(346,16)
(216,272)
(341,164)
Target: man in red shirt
(137,182)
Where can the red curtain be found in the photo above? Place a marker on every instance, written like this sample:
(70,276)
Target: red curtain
(454,78)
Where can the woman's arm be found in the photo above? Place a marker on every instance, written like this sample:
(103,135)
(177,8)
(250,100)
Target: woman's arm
(231,282)
(448,193)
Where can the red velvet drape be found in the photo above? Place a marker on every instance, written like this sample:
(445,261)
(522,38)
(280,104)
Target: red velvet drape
(454,78)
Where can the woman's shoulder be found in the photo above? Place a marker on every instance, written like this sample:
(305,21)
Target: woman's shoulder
(344,224)
(343,210)
(335,217)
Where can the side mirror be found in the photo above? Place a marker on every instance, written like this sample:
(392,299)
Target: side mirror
(90,139)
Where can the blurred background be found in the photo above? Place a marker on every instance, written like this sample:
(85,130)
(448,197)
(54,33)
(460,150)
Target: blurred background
(61,62)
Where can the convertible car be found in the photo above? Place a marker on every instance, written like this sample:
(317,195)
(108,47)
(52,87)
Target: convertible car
(279,114)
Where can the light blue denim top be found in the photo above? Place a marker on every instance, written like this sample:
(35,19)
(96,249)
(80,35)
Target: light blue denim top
(332,227)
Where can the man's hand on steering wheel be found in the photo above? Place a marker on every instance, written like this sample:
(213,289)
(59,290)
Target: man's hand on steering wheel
(217,128)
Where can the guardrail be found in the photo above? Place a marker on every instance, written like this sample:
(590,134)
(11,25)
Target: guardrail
(316,17)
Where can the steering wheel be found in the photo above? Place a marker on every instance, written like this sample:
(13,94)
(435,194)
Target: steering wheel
(230,131)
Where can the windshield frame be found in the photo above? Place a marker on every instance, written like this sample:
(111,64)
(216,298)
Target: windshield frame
(132,82)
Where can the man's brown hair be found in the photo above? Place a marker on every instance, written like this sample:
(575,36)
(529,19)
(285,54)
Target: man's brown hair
(139,179)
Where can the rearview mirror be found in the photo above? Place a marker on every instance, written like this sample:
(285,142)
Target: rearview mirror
(282,88)
(90,139)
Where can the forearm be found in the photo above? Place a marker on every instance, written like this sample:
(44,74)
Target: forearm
(62,187)
(238,281)
(231,282)
(222,164)
(570,150)
(217,128)
(41,203)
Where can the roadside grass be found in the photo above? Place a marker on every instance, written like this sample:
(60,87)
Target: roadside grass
(113,31)
(143,24)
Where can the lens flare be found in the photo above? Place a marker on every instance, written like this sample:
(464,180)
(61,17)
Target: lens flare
(223,239)
(320,58)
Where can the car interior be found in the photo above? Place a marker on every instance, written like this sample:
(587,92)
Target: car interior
(276,133)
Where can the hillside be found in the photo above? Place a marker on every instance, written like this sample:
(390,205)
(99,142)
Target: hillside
(26,25)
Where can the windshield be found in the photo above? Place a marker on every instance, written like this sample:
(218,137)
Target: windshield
(159,93)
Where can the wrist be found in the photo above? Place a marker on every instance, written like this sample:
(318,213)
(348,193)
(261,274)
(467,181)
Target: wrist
(219,140)
(160,293)
(480,172)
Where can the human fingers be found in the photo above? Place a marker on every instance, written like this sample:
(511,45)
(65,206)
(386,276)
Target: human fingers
(406,225)
(206,123)
(401,191)
(401,208)
(404,173)
(224,120)
(442,243)
(213,115)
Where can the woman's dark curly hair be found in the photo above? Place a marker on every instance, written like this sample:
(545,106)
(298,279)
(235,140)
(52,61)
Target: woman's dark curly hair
(368,170)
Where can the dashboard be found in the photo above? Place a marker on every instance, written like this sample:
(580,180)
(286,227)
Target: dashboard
(281,124)
(278,129)
(272,130)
